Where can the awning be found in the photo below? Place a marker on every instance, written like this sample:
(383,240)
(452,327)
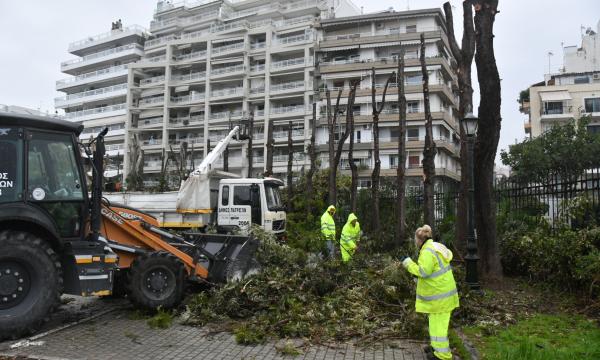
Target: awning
(339,48)
(555,95)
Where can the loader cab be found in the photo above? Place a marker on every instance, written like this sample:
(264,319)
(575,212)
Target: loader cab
(243,202)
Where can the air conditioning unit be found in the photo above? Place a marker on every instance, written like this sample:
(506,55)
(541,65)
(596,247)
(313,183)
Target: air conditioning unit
(596,76)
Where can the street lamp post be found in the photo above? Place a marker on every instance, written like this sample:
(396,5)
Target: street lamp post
(469,125)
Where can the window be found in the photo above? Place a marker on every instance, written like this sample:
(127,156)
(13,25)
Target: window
(225,196)
(582,80)
(393,162)
(594,130)
(412,134)
(412,107)
(414,161)
(241,195)
(273,197)
(11,172)
(53,173)
(414,79)
(411,28)
(338,84)
(553,107)
(592,105)
(358,137)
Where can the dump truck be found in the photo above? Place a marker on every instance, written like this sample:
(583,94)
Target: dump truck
(57,237)
(209,197)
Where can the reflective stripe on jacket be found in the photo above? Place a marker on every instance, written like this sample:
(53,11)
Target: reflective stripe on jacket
(328,226)
(436,288)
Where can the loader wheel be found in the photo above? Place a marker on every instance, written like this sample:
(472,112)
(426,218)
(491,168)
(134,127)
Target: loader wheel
(30,283)
(156,279)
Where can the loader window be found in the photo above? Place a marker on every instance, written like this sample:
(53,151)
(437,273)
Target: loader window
(273,197)
(11,171)
(225,196)
(241,195)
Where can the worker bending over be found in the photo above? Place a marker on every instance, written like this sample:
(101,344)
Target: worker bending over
(436,289)
(350,238)
(328,229)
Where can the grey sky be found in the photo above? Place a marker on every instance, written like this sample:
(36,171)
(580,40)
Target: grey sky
(34,36)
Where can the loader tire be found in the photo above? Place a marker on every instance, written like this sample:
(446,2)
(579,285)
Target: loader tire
(155,280)
(30,283)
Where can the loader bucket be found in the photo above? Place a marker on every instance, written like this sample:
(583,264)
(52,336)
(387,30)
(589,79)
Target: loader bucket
(234,255)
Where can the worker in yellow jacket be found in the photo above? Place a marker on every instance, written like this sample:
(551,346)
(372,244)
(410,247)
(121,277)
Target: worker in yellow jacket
(349,238)
(437,295)
(328,229)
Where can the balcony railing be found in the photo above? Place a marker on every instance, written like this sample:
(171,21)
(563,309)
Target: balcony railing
(91,76)
(293,21)
(151,101)
(290,62)
(287,86)
(257,90)
(284,157)
(292,39)
(179,100)
(152,142)
(226,114)
(257,68)
(304,4)
(186,121)
(284,134)
(382,32)
(227,48)
(287,109)
(259,113)
(154,59)
(227,70)
(107,35)
(364,163)
(193,55)
(100,110)
(152,80)
(149,122)
(214,28)
(159,41)
(85,94)
(258,45)
(191,77)
(101,54)
(238,91)
(189,140)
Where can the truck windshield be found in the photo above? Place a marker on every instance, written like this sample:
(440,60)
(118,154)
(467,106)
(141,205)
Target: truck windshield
(273,198)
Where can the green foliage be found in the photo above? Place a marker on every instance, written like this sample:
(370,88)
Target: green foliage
(163,319)
(563,151)
(288,348)
(565,336)
(523,96)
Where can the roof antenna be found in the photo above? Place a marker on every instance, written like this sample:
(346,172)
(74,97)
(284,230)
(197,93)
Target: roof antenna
(407,5)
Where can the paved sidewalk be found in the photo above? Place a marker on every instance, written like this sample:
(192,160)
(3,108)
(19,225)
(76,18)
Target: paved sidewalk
(114,336)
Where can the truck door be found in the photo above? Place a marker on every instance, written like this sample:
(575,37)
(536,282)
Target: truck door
(223,216)
(241,211)
(255,200)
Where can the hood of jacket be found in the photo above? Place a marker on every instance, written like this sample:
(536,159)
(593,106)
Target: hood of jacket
(351,217)
(442,250)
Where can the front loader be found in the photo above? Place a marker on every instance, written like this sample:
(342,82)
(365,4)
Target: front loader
(56,239)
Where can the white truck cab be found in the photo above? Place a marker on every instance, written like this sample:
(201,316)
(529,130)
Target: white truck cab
(243,202)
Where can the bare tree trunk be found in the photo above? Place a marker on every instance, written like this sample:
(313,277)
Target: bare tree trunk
(353,167)
(270,145)
(401,170)
(290,164)
(313,161)
(346,134)
(464,60)
(226,152)
(488,135)
(331,120)
(377,166)
(429,150)
(250,138)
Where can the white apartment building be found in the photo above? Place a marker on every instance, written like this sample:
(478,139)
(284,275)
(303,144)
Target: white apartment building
(96,90)
(350,47)
(209,63)
(569,94)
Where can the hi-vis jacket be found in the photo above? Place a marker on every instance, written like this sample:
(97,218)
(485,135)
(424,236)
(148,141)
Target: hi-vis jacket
(328,225)
(436,288)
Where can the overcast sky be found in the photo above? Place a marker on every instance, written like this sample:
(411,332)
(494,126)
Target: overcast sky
(35,35)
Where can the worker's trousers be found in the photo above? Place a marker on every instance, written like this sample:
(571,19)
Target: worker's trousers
(438,332)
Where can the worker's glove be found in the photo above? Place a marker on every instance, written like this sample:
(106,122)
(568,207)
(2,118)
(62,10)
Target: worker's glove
(405,260)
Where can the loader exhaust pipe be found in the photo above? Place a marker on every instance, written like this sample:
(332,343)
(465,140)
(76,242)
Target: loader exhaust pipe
(97,180)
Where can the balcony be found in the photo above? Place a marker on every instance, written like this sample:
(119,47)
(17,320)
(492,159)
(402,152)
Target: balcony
(224,115)
(187,99)
(233,26)
(283,111)
(104,111)
(154,59)
(360,163)
(99,75)
(228,49)
(258,159)
(150,144)
(195,55)
(293,21)
(291,63)
(200,34)
(156,26)
(130,50)
(284,157)
(296,133)
(153,122)
(92,95)
(258,45)
(152,102)
(227,93)
(434,32)
(196,120)
(257,68)
(292,40)
(257,91)
(228,70)
(152,81)
(192,77)
(288,87)
(189,140)
(149,44)
(152,165)
(305,4)
(108,36)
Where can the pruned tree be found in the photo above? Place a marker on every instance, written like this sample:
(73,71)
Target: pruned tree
(464,60)
(488,135)
(250,138)
(163,183)
(429,149)
(270,145)
(226,152)
(331,122)
(353,167)
(377,166)
(401,169)
(290,164)
(136,165)
(312,154)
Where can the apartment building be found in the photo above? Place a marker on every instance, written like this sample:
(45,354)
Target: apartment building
(209,64)
(349,47)
(569,94)
(96,90)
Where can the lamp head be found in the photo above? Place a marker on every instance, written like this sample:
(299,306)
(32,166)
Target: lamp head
(469,124)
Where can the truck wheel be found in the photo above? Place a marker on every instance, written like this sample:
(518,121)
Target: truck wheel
(30,283)
(156,279)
